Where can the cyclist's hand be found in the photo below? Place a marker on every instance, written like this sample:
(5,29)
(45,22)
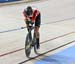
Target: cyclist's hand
(31,22)
(28,19)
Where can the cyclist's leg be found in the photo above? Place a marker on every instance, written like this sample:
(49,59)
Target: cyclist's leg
(36,30)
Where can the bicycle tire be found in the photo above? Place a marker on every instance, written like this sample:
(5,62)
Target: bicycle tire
(35,44)
(28,45)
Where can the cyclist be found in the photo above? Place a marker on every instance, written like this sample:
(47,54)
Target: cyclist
(33,16)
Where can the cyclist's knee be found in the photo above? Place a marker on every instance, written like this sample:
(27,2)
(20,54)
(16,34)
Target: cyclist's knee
(36,28)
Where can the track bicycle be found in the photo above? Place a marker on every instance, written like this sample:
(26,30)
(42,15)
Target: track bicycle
(30,41)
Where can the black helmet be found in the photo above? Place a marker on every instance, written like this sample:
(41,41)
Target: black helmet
(29,10)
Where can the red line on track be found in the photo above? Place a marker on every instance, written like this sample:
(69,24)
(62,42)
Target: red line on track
(4,54)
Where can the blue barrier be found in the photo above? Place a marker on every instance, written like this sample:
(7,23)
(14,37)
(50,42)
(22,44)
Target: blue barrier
(66,56)
(3,1)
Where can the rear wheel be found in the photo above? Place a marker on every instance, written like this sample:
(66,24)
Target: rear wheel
(35,44)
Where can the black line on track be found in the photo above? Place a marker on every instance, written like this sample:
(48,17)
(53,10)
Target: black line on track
(46,52)
(41,24)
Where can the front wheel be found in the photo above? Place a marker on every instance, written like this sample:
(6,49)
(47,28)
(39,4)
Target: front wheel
(28,45)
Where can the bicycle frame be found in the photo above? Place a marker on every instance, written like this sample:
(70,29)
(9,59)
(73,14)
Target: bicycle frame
(30,42)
